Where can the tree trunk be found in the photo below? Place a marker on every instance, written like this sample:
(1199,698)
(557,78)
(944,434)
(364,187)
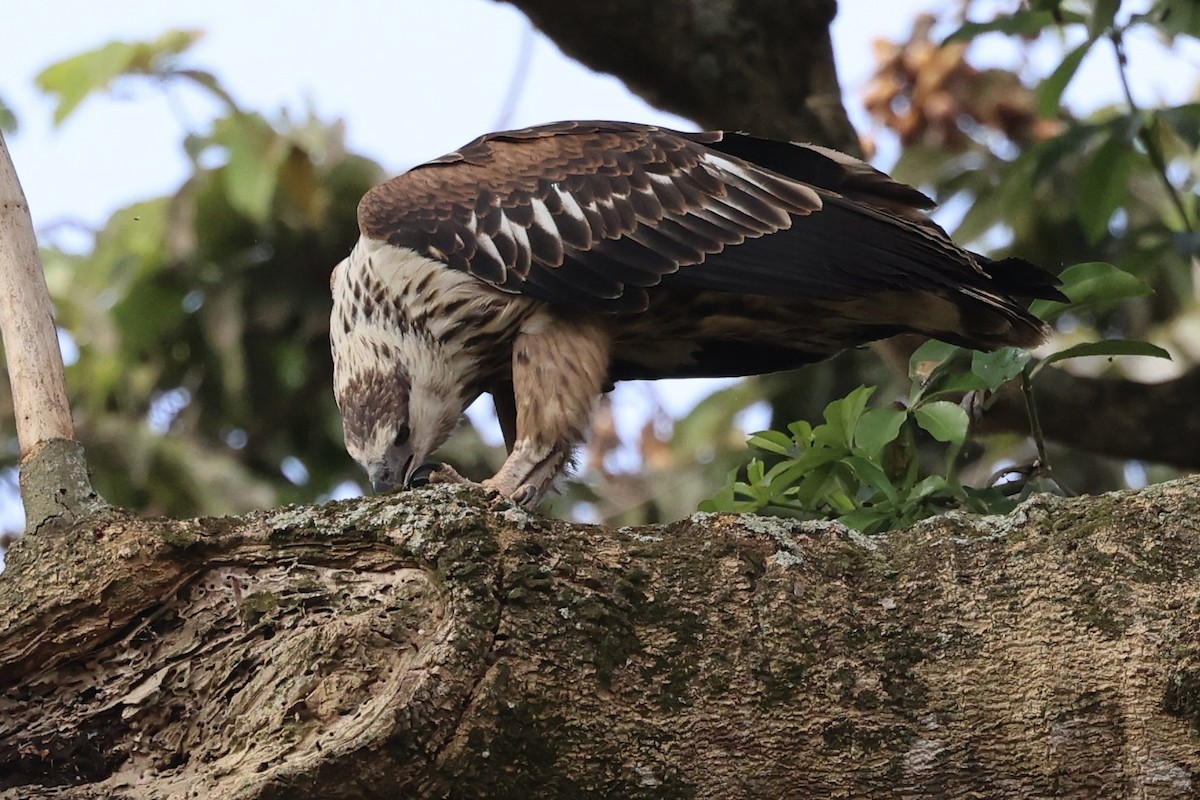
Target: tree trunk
(429,645)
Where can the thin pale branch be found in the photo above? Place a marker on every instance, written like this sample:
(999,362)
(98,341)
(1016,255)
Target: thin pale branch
(35,365)
(54,479)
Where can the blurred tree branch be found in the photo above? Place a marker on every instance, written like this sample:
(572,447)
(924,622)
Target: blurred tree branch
(756,65)
(1156,422)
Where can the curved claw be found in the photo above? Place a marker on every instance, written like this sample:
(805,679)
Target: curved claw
(423,474)
(527,497)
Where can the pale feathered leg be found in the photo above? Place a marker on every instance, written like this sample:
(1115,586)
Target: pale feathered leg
(560,366)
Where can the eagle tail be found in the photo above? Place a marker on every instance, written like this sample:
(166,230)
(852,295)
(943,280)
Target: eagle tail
(1022,279)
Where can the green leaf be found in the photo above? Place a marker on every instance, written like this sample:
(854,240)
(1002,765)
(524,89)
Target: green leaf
(872,475)
(949,384)
(772,442)
(928,356)
(802,431)
(77,77)
(995,204)
(812,491)
(842,415)
(1050,91)
(878,428)
(929,486)
(74,79)
(1022,23)
(1092,283)
(1184,119)
(945,421)
(1179,17)
(725,501)
(1107,347)
(999,367)
(868,520)
(1102,16)
(755,471)
(815,457)
(1104,186)
(782,479)
(256,155)
(8,119)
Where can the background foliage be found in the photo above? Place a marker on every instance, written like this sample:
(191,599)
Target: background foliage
(197,322)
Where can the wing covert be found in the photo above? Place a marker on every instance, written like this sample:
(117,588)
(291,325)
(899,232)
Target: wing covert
(583,213)
(591,214)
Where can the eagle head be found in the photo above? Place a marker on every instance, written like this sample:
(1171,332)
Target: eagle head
(400,388)
(375,422)
(393,416)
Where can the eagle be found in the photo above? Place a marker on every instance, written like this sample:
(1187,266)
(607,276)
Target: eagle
(543,265)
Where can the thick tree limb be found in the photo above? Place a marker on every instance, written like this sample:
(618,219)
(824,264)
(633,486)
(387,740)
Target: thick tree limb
(35,369)
(757,65)
(421,645)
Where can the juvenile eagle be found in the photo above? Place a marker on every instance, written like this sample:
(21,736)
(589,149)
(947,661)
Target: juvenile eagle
(545,264)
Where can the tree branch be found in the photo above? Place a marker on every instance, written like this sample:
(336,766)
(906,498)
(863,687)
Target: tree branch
(1156,422)
(425,644)
(54,480)
(35,365)
(757,65)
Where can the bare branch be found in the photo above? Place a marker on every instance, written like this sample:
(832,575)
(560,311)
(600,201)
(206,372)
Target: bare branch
(54,480)
(430,645)
(35,365)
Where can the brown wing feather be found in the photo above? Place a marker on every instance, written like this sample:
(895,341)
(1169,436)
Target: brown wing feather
(591,214)
(583,213)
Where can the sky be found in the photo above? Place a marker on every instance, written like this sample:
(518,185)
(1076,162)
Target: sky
(412,79)
(383,67)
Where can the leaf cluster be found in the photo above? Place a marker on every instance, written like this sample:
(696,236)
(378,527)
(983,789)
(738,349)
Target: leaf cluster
(197,323)
(860,466)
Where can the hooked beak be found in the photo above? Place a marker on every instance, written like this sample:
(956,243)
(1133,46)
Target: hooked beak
(381,480)
(409,469)
(414,473)
(384,478)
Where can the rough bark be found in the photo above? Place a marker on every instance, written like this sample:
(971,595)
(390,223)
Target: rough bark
(763,66)
(428,645)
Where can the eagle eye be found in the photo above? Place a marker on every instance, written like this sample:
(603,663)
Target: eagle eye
(401,435)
